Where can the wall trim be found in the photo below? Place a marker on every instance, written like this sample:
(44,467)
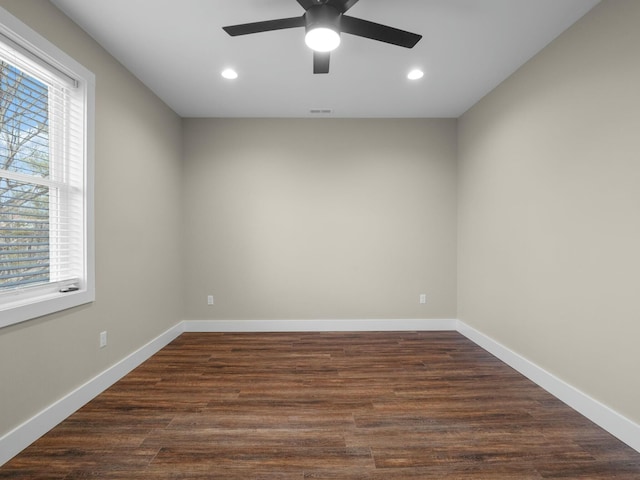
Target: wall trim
(617,425)
(28,432)
(351,325)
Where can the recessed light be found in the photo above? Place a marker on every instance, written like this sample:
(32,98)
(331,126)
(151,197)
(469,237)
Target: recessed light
(229,74)
(415,74)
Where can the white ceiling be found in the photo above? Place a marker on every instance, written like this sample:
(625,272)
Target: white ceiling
(178,49)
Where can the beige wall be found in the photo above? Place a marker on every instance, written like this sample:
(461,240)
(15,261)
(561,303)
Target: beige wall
(320,218)
(549,208)
(138,150)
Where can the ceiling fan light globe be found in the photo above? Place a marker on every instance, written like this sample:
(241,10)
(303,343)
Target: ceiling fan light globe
(322,39)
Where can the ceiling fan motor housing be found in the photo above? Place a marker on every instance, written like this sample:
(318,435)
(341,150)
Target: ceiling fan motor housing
(322,16)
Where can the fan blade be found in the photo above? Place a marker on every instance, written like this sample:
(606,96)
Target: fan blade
(266,26)
(321,62)
(342,5)
(376,31)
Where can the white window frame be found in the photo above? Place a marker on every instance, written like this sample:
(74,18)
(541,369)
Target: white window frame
(32,302)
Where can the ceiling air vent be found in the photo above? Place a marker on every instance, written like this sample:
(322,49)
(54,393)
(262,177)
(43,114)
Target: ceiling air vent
(320,111)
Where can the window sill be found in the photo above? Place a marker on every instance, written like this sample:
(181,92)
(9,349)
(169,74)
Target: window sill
(12,312)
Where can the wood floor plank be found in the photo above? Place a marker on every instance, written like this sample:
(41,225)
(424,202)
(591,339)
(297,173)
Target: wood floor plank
(349,406)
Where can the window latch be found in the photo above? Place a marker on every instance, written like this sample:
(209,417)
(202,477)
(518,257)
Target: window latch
(69,288)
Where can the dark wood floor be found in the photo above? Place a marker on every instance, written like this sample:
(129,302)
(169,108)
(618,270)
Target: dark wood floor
(427,405)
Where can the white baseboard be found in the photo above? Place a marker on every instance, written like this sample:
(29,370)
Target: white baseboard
(617,425)
(24,435)
(352,325)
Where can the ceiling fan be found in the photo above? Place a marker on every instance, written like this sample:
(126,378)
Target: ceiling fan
(324,20)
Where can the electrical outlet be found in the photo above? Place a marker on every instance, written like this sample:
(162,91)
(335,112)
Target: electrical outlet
(210,300)
(103,339)
(423,298)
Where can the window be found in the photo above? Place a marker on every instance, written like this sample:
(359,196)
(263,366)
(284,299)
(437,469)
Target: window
(46,179)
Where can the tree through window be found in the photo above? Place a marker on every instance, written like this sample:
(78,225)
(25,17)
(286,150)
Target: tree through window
(24,205)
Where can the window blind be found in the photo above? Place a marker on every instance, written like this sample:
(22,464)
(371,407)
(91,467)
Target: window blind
(41,174)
